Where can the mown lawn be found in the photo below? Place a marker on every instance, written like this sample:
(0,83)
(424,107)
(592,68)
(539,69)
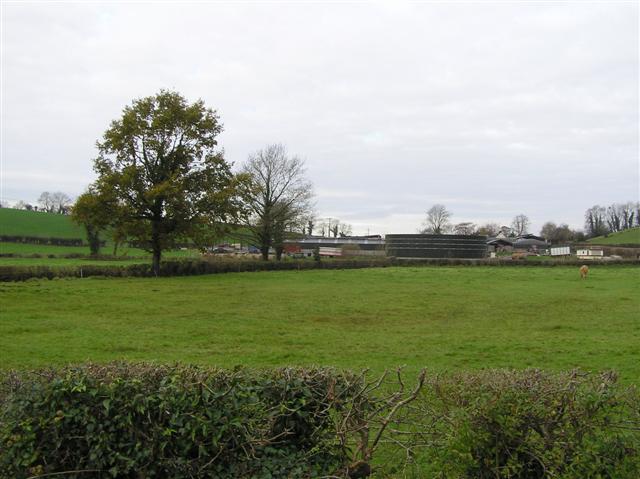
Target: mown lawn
(444,318)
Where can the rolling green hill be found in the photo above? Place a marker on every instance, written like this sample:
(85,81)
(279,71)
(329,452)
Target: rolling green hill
(35,223)
(631,236)
(49,225)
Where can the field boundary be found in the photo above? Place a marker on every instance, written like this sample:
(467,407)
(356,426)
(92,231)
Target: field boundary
(193,268)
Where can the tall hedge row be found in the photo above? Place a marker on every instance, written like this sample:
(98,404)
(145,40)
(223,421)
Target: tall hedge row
(141,421)
(199,267)
(134,421)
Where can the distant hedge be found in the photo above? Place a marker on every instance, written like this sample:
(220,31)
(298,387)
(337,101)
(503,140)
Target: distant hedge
(124,420)
(44,240)
(199,267)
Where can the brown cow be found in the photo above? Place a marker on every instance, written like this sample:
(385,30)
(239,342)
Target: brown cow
(584,269)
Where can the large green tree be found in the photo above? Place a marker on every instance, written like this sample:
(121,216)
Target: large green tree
(160,163)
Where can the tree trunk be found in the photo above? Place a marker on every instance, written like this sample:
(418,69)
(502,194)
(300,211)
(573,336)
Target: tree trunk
(264,249)
(156,261)
(94,240)
(155,248)
(279,250)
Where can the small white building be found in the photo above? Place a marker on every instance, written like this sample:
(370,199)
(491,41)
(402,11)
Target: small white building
(590,253)
(560,251)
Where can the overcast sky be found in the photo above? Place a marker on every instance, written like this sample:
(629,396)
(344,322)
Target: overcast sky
(492,109)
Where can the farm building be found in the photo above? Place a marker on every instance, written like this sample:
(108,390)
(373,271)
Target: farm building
(527,242)
(530,244)
(560,251)
(590,253)
(436,246)
(497,245)
(362,245)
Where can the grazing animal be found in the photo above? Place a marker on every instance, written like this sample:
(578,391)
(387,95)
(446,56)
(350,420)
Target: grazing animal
(584,269)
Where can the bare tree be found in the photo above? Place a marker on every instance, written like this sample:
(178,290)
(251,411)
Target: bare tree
(344,229)
(437,221)
(278,196)
(57,202)
(465,228)
(614,220)
(327,226)
(310,225)
(627,212)
(61,202)
(46,202)
(520,224)
(489,229)
(595,221)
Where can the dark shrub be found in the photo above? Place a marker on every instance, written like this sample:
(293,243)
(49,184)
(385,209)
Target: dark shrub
(141,420)
(529,424)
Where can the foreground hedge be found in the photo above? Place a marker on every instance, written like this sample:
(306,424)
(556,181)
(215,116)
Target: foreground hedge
(199,267)
(142,420)
(526,424)
(133,421)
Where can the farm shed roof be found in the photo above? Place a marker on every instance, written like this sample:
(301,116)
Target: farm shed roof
(529,242)
(499,242)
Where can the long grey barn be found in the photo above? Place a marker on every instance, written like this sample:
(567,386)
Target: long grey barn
(436,246)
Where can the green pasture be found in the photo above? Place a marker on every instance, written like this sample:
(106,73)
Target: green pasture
(50,255)
(630,236)
(24,249)
(53,262)
(44,225)
(37,223)
(443,318)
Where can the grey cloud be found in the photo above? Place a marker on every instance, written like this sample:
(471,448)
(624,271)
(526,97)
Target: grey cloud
(493,109)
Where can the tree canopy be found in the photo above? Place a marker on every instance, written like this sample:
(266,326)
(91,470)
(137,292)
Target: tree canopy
(159,163)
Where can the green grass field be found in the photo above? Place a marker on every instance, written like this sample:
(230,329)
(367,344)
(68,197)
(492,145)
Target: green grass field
(444,318)
(631,236)
(39,224)
(125,255)
(35,223)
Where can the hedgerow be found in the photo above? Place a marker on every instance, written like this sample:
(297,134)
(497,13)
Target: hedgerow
(142,420)
(199,267)
(523,425)
(44,240)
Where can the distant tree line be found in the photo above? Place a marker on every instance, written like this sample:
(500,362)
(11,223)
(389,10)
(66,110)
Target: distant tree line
(57,202)
(603,220)
(599,221)
(438,221)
